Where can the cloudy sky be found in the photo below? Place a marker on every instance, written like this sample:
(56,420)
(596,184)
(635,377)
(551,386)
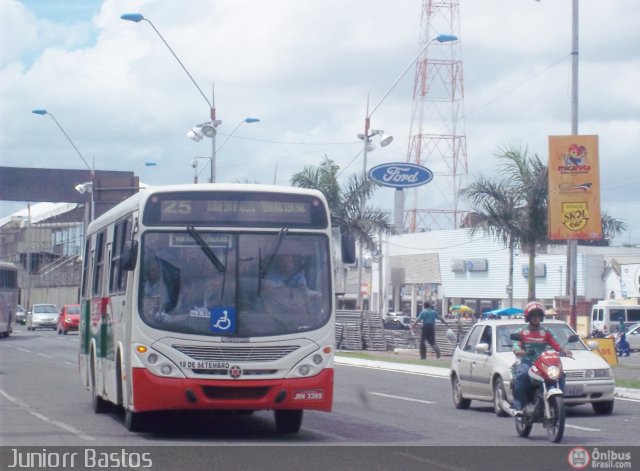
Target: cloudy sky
(305,68)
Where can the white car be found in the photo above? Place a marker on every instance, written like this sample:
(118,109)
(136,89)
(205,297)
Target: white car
(42,316)
(633,337)
(481,367)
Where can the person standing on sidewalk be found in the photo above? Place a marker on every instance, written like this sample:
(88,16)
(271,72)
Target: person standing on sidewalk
(428,317)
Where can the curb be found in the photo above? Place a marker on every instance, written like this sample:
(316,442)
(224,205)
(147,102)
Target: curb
(623,393)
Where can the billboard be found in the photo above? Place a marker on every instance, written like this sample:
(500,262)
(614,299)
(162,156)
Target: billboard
(574,188)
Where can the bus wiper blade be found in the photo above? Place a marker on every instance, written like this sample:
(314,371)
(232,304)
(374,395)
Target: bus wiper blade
(206,249)
(274,250)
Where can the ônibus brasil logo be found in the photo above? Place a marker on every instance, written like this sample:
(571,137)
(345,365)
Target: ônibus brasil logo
(579,458)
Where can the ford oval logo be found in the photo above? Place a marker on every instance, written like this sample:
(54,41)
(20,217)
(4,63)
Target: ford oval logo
(400,175)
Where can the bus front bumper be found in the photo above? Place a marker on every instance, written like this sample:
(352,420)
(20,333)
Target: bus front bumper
(156,393)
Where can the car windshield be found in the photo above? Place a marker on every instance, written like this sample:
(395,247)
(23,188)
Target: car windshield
(235,284)
(45,309)
(560,332)
(73,309)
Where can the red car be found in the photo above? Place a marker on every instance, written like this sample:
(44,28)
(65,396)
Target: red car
(69,318)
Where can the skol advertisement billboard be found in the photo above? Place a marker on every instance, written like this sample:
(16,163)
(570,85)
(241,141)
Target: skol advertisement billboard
(574,188)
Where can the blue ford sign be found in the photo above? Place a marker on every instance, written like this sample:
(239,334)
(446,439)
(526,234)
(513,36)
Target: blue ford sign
(400,175)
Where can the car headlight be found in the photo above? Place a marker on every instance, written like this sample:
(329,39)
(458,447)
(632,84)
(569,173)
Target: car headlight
(603,373)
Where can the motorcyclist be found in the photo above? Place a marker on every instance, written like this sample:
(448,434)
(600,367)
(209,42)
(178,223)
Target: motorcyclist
(533,341)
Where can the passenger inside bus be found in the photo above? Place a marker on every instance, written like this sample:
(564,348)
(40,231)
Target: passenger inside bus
(161,286)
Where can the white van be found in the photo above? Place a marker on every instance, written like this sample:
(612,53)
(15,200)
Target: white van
(606,315)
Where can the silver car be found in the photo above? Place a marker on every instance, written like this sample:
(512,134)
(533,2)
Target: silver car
(481,367)
(43,316)
(21,316)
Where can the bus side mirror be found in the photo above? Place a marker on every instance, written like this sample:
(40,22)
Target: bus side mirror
(129,255)
(348,247)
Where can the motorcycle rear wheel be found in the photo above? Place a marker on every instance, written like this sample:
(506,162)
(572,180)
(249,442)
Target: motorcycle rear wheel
(555,425)
(523,427)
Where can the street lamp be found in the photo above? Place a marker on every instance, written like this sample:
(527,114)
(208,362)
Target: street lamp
(91,170)
(368,133)
(146,164)
(208,130)
(213,123)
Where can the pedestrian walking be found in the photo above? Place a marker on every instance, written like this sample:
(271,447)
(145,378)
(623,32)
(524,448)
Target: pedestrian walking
(428,317)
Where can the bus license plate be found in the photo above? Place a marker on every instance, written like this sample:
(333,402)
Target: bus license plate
(310,395)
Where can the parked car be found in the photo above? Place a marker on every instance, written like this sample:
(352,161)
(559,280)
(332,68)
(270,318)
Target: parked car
(397,321)
(481,367)
(21,316)
(633,336)
(42,316)
(69,318)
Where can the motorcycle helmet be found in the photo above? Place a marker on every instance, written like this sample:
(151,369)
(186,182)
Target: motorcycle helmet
(533,306)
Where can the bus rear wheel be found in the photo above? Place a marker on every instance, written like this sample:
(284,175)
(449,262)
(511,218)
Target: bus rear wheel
(288,421)
(98,404)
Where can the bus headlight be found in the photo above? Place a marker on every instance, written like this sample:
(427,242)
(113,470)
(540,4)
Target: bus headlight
(156,363)
(312,364)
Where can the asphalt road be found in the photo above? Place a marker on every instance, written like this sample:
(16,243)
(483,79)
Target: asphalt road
(44,404)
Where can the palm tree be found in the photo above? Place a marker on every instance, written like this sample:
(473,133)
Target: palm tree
(514,208)
(610,226)
(347,204)
(494,213)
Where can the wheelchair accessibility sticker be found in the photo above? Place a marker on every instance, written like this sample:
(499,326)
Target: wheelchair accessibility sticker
(223,320)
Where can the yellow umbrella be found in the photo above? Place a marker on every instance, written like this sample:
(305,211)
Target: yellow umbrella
(461,308)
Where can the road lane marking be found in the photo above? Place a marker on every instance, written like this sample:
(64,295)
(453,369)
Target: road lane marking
(24,350)
(433,464)
(586,429)
(45,355)
(391,396)
(23,405)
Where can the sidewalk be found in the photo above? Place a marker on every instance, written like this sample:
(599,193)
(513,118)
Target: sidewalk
(629,367)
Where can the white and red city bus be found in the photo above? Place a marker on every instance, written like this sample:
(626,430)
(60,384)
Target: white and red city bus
(182,306)
(8,297)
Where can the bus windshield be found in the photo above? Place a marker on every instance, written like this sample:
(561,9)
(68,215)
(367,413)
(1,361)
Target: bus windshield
(234,284)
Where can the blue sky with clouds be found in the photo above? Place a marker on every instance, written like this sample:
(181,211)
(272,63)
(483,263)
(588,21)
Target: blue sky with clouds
(305,69)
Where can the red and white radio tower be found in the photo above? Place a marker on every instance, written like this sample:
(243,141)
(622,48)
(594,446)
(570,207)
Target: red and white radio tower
(437,137)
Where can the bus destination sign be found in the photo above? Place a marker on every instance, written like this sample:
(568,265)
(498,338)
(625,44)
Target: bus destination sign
(224,209)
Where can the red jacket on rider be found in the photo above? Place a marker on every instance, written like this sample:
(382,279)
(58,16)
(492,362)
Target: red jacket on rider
(534,343)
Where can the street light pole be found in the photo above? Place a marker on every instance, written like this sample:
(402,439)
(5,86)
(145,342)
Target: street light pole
(137,18)
(197,133)
(368,134)
(92,171)
(572,245)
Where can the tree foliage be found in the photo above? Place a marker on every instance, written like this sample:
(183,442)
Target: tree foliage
(347,203)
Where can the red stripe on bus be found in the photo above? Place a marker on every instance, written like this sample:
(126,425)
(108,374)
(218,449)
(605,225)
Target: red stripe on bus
(153,393)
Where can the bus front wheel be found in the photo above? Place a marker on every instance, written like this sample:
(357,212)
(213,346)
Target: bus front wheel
(288,421)
(133,421)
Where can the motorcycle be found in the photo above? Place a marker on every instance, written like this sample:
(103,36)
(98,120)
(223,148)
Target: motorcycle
(545,402)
